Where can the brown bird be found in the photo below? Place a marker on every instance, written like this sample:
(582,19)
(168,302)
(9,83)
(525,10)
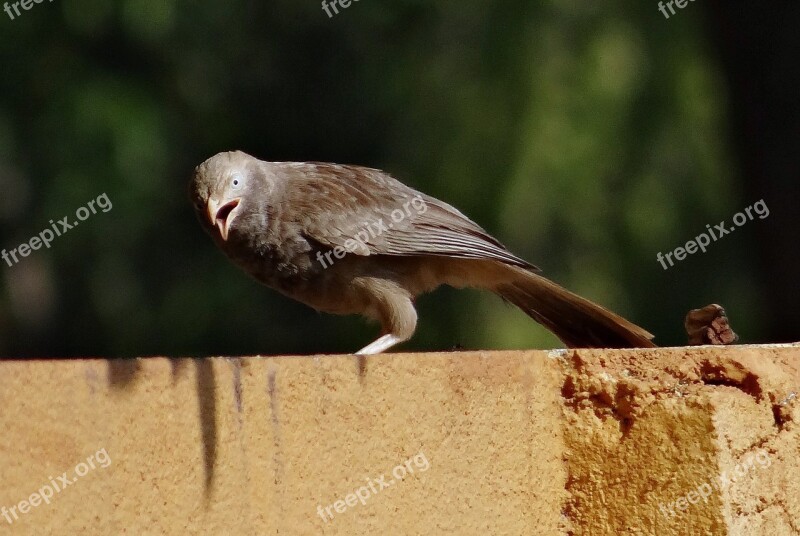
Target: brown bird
(353,240)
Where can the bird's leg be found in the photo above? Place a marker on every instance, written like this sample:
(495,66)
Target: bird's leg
(381,344)
(397,315)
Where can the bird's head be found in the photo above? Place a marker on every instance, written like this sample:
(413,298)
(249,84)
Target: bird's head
(219,188)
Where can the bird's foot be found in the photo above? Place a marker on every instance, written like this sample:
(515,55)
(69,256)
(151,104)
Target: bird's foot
(380,345)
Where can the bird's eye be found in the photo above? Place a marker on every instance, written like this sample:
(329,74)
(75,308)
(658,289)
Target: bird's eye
(237,181)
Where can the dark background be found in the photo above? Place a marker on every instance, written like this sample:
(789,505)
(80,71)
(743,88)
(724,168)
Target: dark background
(587,137)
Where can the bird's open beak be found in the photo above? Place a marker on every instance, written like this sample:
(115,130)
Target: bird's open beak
(222,216)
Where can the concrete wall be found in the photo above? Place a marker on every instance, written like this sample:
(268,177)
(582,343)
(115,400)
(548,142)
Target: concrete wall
(679,441)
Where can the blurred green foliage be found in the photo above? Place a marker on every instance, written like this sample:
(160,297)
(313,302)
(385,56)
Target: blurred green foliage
(587,137)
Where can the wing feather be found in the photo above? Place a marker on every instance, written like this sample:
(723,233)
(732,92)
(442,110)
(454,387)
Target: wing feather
(368,206)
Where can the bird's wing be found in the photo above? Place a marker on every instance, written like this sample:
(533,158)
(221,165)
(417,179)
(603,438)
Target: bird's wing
(367,212)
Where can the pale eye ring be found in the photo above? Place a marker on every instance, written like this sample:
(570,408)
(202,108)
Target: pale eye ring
(237,181)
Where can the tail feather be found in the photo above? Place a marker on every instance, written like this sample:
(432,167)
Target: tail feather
(578,322)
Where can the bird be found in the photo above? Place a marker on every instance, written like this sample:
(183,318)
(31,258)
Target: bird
(346,239)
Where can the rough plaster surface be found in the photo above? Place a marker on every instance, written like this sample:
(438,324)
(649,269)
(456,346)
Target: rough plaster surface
(558,443)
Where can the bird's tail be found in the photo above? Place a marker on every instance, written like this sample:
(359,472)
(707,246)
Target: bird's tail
(578,322)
